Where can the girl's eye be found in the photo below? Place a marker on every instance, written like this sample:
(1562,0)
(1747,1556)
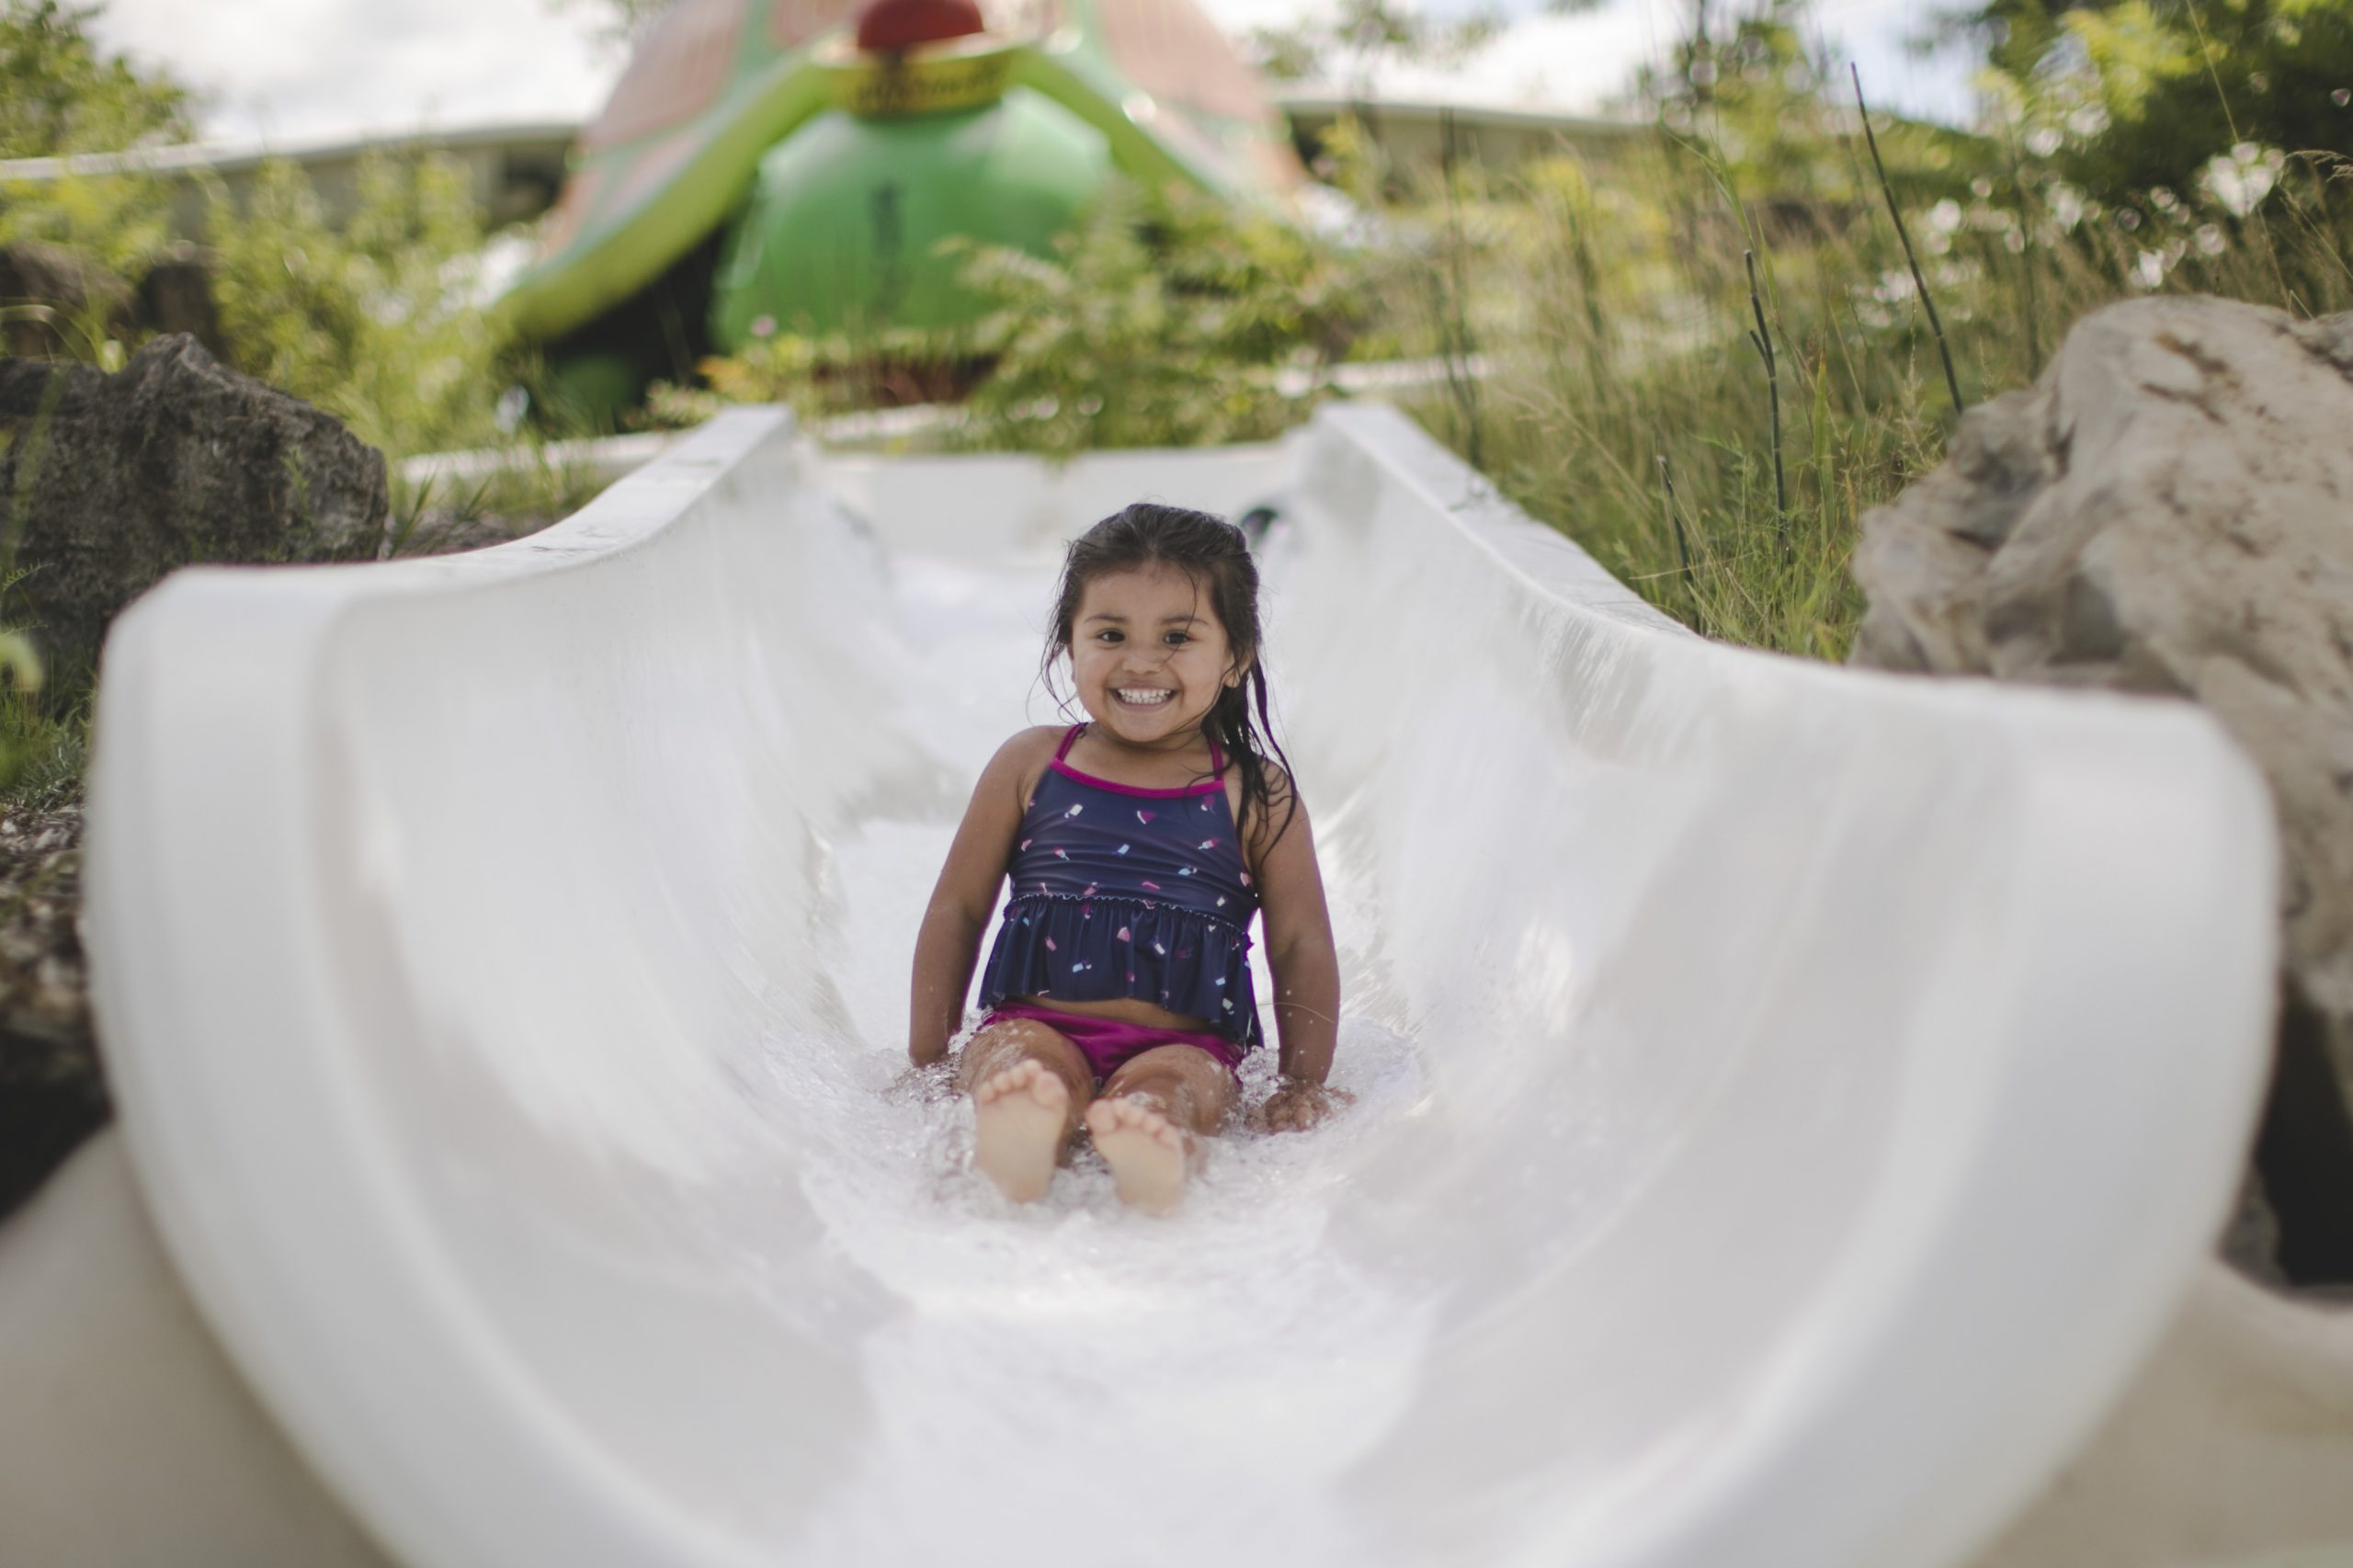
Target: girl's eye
(1178,639)
(1106,637)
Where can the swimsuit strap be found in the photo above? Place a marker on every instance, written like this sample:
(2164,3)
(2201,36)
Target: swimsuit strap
(1070,737)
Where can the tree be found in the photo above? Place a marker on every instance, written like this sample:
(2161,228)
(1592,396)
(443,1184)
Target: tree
(1360,34)
(2139,95)
(59,95)
(2014,36)
(1775,114)
(375,318)
(618,22)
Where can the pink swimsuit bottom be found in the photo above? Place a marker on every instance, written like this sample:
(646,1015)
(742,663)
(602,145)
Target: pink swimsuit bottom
(1107,1043)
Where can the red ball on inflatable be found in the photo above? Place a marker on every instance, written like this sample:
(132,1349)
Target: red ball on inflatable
(890,27)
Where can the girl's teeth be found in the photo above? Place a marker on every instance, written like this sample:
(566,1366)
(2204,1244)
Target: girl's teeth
(1144,697)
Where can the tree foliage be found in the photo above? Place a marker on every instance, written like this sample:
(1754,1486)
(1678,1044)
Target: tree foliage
(375,319)
(59,94)
(617,22)
(1163,321)
(2134,96)
(1349,41)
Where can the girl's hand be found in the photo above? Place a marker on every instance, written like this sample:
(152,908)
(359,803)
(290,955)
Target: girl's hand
(926,1081)
(1299,1105)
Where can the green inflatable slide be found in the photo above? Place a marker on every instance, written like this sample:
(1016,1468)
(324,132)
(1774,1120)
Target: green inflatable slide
(817,151)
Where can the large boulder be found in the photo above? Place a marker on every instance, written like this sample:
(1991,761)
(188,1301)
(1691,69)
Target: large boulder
(111,481)
(2170,509)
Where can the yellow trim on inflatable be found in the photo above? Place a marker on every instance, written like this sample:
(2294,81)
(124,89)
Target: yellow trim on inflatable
(963,73)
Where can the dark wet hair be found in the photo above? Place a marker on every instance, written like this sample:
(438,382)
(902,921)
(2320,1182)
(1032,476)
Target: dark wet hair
(1216,555)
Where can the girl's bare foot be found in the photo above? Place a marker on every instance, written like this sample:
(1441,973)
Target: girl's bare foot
(1020,1119)
(1150,1156)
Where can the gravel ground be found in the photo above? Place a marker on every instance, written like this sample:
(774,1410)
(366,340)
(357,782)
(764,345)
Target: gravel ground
(52,1095)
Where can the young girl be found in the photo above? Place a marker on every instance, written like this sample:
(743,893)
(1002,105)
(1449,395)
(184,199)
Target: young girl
(1139,843)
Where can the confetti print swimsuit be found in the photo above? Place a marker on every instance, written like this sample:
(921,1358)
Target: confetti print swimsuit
(1120,892)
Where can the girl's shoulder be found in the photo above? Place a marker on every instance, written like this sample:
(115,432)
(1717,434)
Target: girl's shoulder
(1036,739)
(1262,822)
(1021,761)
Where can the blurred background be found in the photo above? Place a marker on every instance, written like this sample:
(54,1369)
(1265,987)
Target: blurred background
(1647,262)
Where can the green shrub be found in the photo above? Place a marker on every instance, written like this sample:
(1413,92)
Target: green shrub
(60,97)
(1163,321)
(378,319)
(2129,97)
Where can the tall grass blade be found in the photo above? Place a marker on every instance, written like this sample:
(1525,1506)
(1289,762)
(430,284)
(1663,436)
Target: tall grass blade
(1936,323)
(1763,339)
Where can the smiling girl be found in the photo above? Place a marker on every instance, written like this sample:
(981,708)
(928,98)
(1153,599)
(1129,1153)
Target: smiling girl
(1140,845)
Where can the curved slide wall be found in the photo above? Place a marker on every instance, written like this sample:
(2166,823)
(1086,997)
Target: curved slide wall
(1791,1102)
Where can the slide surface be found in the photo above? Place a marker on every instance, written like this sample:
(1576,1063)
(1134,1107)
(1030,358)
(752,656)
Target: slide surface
(1791,1102)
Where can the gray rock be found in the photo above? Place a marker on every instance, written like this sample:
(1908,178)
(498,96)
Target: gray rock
(111,481)
(2169,509)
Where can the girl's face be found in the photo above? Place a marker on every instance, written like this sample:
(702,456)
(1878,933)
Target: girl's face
(1149,656)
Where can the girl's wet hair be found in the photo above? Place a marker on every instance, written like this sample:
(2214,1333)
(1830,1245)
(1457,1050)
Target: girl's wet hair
(1216,555)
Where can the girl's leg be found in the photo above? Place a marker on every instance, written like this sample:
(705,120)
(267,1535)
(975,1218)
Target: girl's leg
(1149,1121)
(1029,1084)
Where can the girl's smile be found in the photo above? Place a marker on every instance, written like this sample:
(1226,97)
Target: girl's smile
(1149,656)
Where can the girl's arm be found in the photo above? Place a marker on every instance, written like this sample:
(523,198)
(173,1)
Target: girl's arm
(1306,968)
(949,945)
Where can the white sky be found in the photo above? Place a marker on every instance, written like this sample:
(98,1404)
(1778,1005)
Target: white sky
(290,69)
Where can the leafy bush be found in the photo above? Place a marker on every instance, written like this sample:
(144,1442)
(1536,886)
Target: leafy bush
(377,320)
(2129,97)
(60,96)
(820,376)
(1162,322)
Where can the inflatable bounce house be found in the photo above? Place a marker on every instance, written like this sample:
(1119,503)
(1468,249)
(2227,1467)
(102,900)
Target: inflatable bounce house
(768,165)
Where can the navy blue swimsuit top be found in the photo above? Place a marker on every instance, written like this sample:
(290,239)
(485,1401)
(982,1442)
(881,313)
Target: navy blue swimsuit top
(1120,892)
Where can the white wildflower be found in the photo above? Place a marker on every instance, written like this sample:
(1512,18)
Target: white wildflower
(2242,176)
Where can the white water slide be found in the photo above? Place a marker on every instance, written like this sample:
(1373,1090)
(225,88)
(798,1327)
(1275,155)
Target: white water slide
(1791,1103)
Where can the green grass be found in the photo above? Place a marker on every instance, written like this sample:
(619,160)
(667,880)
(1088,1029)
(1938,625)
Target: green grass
(42,755)
(436,515)
(1631,406)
